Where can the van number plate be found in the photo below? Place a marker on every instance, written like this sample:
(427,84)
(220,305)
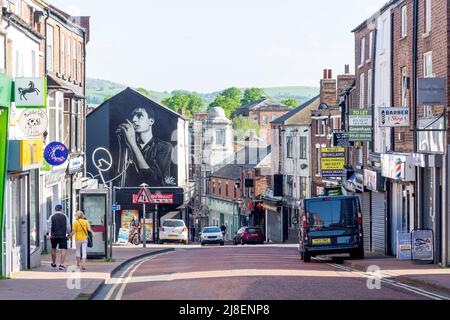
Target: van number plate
(321,241)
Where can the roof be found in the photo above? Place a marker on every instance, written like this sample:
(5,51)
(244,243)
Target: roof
(292,113)
(374,16)
(231,171)
(54,81)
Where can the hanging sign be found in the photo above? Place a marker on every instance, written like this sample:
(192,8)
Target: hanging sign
(56,154)
(342,139)
(431,91)
(33,122)
(30,92)
(333,162)
(360,122)
(394,117)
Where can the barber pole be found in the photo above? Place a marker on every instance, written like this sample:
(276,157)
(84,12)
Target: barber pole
(398,169)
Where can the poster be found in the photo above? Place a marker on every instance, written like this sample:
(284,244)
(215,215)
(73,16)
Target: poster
(360,125)
(128,216)
(333,162)
(149,230)
(124,235)
(404,250)
(422,245)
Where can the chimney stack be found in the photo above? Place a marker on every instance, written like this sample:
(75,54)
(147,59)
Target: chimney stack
(345,80)
(328,92)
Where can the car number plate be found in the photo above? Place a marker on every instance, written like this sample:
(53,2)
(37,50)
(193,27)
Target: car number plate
(173,235)
(321,241)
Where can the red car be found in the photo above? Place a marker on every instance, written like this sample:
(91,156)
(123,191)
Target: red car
(249,235)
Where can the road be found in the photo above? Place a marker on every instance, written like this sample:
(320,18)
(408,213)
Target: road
(245,273)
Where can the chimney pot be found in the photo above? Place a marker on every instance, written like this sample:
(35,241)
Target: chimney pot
(347,69)
(325,74)
(330,74)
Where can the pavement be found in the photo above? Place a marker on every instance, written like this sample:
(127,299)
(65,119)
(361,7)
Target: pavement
(44,283)
(425,275)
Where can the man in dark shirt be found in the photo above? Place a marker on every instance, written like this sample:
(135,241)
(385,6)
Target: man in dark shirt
(149,156)
(59,229)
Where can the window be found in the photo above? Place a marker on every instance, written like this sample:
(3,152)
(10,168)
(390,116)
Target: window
(220,137)
(303,187)
(427,16)
(362,90)
(80,61)
(404,21)
(213,187)
(319,161)
(74,59)
(256,118)
(63,53)
(370,45)
(53,117)
(428,65)
(19,8)
(220,187)
(405,88)
(337,123)
(227,190)
(31,16)
(321,127)
(363,51)
(303,148)
(69,56)
(290,147)
(50,48)
(265,120)
(369,88)
(19,64)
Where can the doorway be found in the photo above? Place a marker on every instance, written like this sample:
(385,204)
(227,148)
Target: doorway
(402,213)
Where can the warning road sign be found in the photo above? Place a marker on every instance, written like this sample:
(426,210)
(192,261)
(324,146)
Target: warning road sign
(142,197)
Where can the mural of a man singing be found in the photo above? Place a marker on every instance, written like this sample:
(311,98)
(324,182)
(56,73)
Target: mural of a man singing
(143,158)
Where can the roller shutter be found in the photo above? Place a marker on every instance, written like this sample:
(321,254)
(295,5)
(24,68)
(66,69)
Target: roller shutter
(378,223)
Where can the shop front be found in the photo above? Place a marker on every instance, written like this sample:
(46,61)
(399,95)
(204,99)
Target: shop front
(225,213)
(22,227)
(400,171)
(276,219)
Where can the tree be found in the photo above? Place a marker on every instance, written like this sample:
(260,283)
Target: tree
(242,126)
(229,100)
(144,92)
(252,95)
(291,102)
(190,103)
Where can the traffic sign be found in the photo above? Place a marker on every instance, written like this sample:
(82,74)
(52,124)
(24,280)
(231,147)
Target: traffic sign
(116,208)
(142,197)
(163,199)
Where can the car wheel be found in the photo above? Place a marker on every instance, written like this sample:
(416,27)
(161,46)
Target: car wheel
(242,242)
(306,257)
(222,244)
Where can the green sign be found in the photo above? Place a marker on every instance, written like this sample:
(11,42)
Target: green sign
(5,104)
(360,125)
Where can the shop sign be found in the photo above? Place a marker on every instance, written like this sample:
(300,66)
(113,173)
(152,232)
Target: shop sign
(269,207)
(30,92)
(154,198)
(75,165)
(6,87)
(360,125)
(422,245)
(56,154)
(394,117)
(342,139)
(404,246)
(333,162)
(371,180)
(398,167)
(431,91)
(33,122)
(25,155)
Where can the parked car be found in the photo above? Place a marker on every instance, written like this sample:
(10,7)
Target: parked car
(212,235)
(173,230)
(331,225)
(249,235)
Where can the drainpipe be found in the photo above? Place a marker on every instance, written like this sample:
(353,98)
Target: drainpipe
(45,32)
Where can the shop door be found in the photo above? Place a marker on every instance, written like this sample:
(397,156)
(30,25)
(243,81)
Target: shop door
(19,224)
(402,212)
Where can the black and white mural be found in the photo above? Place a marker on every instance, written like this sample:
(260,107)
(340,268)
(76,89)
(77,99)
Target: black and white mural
(142,140)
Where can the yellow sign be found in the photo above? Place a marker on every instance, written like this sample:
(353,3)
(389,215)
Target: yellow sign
(332,150)
(333,164)
(31,153)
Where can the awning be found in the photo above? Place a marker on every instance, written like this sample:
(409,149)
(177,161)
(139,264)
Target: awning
(69,88)
(56,176)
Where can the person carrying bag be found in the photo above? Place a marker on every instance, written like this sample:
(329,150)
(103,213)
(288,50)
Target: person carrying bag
(81,229)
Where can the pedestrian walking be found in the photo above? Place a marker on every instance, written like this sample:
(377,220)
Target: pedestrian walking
(59,229)
(80,230)
(223,228)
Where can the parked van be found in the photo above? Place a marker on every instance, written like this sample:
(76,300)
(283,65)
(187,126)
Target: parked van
(331,225)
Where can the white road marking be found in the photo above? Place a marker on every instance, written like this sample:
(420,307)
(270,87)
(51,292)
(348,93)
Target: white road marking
(384,278)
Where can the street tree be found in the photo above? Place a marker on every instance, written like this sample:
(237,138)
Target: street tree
(189,103)
(252,95)
(229,100)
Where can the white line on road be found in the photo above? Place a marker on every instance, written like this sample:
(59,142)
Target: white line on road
(383,278)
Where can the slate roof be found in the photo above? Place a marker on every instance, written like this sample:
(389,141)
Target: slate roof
(292,113)
(263,104)
(231,171)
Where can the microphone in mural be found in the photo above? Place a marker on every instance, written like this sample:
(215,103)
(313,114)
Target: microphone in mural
(143,158)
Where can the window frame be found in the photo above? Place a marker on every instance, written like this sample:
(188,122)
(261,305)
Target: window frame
(404,22)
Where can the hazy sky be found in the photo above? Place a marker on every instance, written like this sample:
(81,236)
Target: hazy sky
(209,45)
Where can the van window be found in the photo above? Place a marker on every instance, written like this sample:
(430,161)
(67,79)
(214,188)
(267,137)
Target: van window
(330,214)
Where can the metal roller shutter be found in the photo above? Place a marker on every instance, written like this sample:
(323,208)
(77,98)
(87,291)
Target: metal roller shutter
(378,223)
(366,204)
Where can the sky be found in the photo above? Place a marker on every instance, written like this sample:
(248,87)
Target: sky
(210,45)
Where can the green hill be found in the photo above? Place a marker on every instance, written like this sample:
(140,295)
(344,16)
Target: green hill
(98,90)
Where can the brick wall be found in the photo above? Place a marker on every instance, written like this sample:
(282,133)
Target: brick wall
(215,192)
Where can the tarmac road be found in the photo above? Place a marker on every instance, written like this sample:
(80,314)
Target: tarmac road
(247,273)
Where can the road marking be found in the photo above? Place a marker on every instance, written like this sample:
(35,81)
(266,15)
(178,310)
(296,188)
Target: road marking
(384,278)
(123,281)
